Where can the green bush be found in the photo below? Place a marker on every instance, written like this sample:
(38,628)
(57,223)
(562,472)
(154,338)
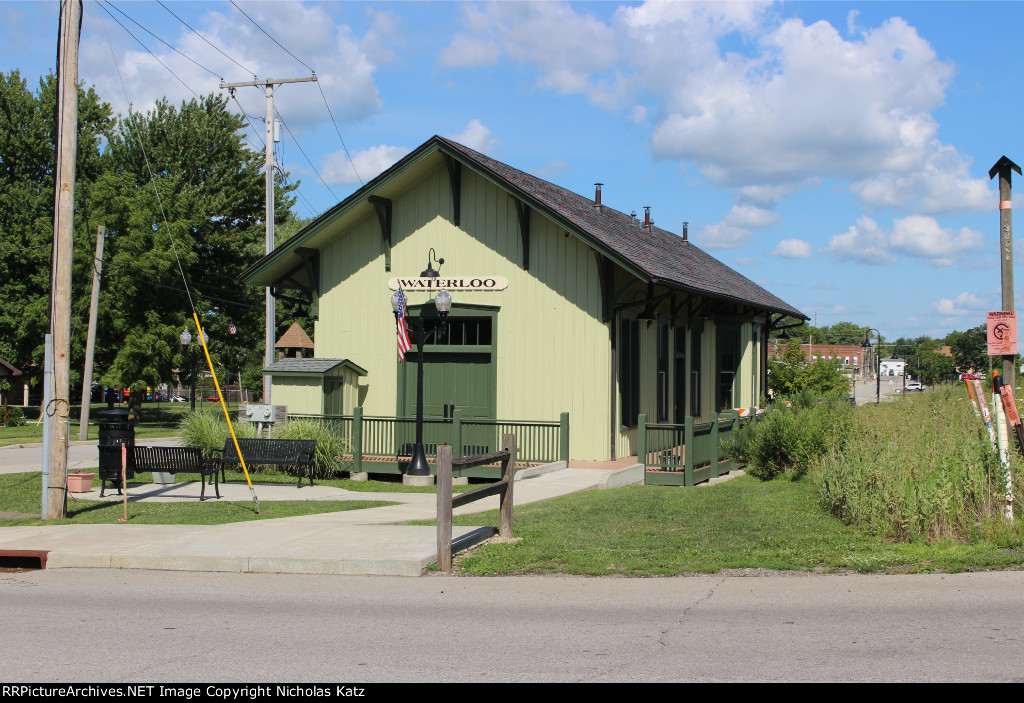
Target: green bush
(790,438)
(208,430)
(14,417)
(329,446)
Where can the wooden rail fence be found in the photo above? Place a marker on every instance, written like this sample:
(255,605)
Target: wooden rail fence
(447,502)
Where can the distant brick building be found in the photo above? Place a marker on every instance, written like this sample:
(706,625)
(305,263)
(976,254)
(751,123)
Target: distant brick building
(852,355)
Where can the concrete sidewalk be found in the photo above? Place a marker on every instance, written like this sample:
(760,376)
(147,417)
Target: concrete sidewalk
(371,541)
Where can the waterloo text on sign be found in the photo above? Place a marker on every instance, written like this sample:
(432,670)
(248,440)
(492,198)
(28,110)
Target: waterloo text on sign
(471,283)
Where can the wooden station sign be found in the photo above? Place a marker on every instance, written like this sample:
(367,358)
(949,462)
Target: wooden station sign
(470,283)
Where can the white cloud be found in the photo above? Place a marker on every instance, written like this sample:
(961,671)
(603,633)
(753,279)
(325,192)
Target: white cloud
(743,215)
(759,104)
(369,164)
(345,63)
(942,184)
(916,236)
(865,243)
(922,237)
(746,261)
(964,304)
(722,235)
(464,52)
(793,249)
(476,136)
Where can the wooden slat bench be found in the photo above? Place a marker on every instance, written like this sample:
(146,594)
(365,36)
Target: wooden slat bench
(177,460)
(279,452)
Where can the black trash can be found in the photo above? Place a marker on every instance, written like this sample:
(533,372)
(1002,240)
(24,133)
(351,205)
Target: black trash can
(116,430)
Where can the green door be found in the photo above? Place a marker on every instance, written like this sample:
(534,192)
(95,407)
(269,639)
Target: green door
(453,381)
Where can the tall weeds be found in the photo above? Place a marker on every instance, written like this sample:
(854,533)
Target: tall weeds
(919,468)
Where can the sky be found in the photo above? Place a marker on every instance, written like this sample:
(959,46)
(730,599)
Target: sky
(836,153)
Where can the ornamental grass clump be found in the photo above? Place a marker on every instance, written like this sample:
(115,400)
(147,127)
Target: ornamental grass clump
(920,468)
(330,447)
(208,430)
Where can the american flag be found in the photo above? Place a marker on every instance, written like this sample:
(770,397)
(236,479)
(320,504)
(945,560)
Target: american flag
(403,333)
(231,327)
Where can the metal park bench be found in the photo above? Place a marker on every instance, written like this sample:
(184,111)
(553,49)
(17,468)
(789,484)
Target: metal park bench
(280,452)
(176,460)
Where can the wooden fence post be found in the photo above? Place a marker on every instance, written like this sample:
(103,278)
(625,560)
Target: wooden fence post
(689,451)
(444,508)
(714,443)
(563,438)
(457,433)
(641,440)
(508,443)
(357,438)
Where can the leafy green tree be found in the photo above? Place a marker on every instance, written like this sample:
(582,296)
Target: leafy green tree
(792,373)
(180,200)
(970,348)
(27,165)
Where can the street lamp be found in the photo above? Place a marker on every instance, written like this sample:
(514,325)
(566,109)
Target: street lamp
(443,302)
(867,345)
(193,354)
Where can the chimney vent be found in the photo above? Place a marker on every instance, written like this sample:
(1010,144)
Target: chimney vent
(647,217)
(597,195)
(685,226)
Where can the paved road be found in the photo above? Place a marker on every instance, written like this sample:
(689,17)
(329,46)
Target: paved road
(29,457)
(148,626)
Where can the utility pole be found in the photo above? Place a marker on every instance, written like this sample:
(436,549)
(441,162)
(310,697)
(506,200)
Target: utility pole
(90,345)
(1003,167)
(268,86)
(63,225)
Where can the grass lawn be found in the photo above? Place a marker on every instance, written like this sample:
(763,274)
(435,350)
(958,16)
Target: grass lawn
(20,493)
(739,524)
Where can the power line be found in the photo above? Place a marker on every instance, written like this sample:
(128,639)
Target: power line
(187,86)
(271,38)
(165,43)
(206,40)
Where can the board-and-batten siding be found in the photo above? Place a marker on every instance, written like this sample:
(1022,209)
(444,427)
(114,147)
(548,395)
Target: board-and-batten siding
(553,352)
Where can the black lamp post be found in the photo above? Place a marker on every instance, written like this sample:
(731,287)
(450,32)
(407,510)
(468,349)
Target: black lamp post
(193,354)
(443,302)
(867,345)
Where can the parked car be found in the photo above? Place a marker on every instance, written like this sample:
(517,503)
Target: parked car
(915,386)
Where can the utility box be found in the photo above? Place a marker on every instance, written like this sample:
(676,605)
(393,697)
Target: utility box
(258,413)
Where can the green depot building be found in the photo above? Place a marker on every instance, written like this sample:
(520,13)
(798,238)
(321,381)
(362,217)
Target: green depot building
(560,305)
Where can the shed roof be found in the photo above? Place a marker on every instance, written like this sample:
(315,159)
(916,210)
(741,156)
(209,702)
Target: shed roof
(8,370)
(655,255)
(314,367)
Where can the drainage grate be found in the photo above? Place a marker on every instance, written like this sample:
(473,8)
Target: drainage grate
(22,559)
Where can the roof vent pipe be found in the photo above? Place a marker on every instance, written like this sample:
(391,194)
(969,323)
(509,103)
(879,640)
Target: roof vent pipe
(597,195)
(647,217)
(685,226)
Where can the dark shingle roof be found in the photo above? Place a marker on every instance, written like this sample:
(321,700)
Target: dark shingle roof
(311,366)
(662,255)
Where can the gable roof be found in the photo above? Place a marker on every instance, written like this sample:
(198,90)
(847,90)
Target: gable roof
(652,254)
(314,367)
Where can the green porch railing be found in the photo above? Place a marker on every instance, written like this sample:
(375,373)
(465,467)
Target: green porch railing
(385,442)
(689,453)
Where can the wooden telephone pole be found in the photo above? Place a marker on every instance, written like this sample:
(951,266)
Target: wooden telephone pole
(268,85)
(63,224)
(1003,167)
